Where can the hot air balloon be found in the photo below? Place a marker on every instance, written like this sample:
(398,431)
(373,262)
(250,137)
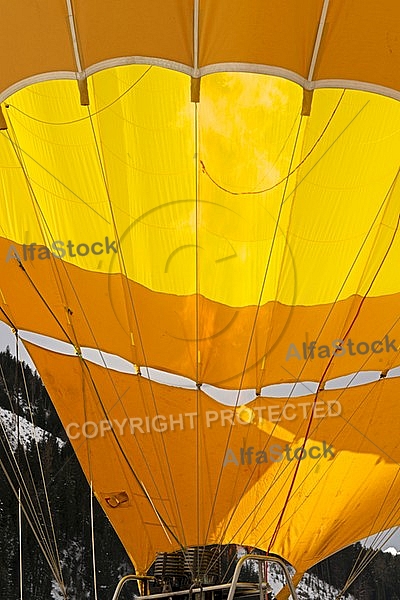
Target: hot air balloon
(200,249)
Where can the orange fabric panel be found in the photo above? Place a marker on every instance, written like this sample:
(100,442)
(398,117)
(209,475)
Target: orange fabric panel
(274,33)
(315,331)
(164,325)
(203,500)
(361,43)
(159,29)
(35,38)
(24,305)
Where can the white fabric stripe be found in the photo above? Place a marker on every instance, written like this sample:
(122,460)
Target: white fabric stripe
(224,396)
(51,76)
(140,60)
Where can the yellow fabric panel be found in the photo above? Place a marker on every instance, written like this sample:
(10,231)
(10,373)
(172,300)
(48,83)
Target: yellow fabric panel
(334,217)
(249,497)
(35,39)
(159,29)
(146,148)
(343,179)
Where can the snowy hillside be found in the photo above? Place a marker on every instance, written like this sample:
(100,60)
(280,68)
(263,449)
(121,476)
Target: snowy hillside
(391,551)
(309,588)
(27,432)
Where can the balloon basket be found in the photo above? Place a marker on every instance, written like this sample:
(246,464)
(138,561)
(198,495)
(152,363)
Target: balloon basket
(172,569)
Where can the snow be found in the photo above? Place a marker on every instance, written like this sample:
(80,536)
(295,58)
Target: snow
(391,551)
(28,433)
(309,588)
(56,593)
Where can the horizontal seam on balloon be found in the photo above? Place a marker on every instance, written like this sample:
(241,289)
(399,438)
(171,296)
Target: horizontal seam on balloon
(241,67)
(171,384)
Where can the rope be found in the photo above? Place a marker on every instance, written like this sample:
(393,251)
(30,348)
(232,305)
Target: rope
(18,474)
(39,541)
(93,542)
(43,477)
(21,583)
(9,105)
(291,172)
(23,496)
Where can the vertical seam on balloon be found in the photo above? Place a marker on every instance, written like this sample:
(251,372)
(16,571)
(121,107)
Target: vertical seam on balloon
(318,39)
(125,285)
(74,36)
(259,384)
(268,263)
(196,17)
